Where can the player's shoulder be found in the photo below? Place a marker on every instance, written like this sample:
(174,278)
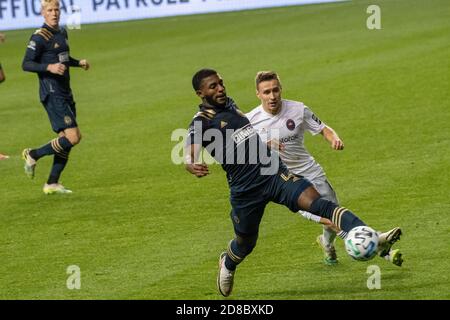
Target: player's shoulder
(201,120)
(207,114)
(293,103)
(203,116)
(64,32)
(254,114)
(292,107)
(42,35)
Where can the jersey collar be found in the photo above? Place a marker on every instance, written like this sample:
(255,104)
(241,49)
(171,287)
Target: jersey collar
(268,114)
(229,104)
(54,31)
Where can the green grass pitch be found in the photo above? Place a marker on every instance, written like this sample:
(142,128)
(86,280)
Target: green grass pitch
(140,227)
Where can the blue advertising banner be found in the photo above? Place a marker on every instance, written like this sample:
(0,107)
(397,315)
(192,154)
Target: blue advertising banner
(21,14)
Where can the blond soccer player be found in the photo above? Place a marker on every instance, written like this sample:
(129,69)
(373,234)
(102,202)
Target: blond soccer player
(48,55)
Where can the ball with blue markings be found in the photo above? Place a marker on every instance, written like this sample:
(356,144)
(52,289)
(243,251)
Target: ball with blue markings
(361,243)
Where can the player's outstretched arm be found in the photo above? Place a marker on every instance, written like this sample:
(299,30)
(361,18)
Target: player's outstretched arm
(191,161)
(331,136)
(329,224)
(321,220)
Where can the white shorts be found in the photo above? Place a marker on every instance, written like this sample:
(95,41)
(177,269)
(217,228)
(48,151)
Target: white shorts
(325,189)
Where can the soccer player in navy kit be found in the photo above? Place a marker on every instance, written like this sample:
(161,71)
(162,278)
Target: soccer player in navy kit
(251,185)
(48,55)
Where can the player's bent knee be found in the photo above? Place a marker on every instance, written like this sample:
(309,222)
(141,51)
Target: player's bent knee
(74,138)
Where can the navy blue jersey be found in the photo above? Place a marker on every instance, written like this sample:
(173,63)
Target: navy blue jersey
(49,46)
(226,133)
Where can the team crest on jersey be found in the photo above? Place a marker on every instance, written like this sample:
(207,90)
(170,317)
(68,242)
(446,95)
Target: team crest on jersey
(290,124)
(56,46)
(68,120)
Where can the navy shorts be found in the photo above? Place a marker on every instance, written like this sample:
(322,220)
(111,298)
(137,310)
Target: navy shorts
(61,112)
(248,207)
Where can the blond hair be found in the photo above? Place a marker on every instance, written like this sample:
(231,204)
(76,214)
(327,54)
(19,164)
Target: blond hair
(46,3)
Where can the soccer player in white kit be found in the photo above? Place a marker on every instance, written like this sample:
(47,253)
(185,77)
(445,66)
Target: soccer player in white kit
(282,123)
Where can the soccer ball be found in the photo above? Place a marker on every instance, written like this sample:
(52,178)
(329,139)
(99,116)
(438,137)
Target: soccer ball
(361,243)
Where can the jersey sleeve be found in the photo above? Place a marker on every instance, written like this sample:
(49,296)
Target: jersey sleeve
(74,62)
(311,122)
(33,53)
(196,130)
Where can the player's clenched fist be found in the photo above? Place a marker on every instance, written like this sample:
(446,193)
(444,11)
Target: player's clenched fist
(85,64)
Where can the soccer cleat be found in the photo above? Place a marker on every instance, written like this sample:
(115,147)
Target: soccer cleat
(225,277)
(328,250)
(30,163)
(387,239)
(55,188)
(395,257)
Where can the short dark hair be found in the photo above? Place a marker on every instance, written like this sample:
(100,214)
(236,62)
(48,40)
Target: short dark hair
(266,76)
(200,75)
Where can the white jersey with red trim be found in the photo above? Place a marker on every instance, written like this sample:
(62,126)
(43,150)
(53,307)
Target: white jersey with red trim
(290,125)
